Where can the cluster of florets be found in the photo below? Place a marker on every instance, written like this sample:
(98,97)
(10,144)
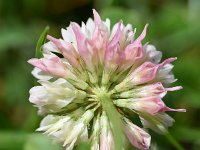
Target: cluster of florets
(93,64)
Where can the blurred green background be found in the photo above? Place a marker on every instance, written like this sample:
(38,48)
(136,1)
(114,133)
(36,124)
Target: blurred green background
(174,27)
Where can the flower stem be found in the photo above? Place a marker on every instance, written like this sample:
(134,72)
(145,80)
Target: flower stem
(114,118)
(173,141)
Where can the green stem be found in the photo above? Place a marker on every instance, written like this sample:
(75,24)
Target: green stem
(173,141)
(114,118)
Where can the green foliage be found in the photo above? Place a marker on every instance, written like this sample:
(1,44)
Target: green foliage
(40,142)
(128,16)
(12,140)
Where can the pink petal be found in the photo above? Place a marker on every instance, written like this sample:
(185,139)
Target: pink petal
(53,66)
(176,88)
(116,38)
(142,36)
(67,50)
(155,89)
(130,55)
(171,109)
(144,73)
(167,61)
(64,47)
(97,39)
(112,47)
(37,63)
(134,50)
(137,42)
(81,40)
(133,54)
(137,137)
(97,18)
(151,105)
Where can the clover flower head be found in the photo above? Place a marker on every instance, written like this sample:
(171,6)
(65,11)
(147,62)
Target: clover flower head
(91,67)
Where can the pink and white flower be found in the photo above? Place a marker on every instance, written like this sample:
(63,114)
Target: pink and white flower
(101,61)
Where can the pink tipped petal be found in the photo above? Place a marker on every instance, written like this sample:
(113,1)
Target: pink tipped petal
(167,61)
(77,31)
(171,109)
(85,50)
(137,137)
(155,89)
(128,50)
(137,53)
(67,49)
(97,18)
(176,88)
(137,42)
(144,73)
(37,63)
(116,38)
(151,105)
(142,36)
(64,47)
(80,38)
(111,53)
(136,46)
(133,54)
(53,66)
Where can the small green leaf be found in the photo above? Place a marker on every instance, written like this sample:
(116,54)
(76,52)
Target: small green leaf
(41,41)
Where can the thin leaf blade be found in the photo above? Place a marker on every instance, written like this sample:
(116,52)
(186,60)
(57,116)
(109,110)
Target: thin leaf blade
(41,41)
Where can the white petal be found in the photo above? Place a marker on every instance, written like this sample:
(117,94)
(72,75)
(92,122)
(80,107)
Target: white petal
(38,95)
(107,24)
(47,122)
(51,47)
(152,54)
(90,25)
(163,121)
(69,36)
(39,74)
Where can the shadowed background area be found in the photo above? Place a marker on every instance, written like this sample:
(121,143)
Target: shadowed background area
(174,27)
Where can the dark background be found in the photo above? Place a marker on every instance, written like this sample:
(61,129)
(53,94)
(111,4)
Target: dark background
(174,27)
